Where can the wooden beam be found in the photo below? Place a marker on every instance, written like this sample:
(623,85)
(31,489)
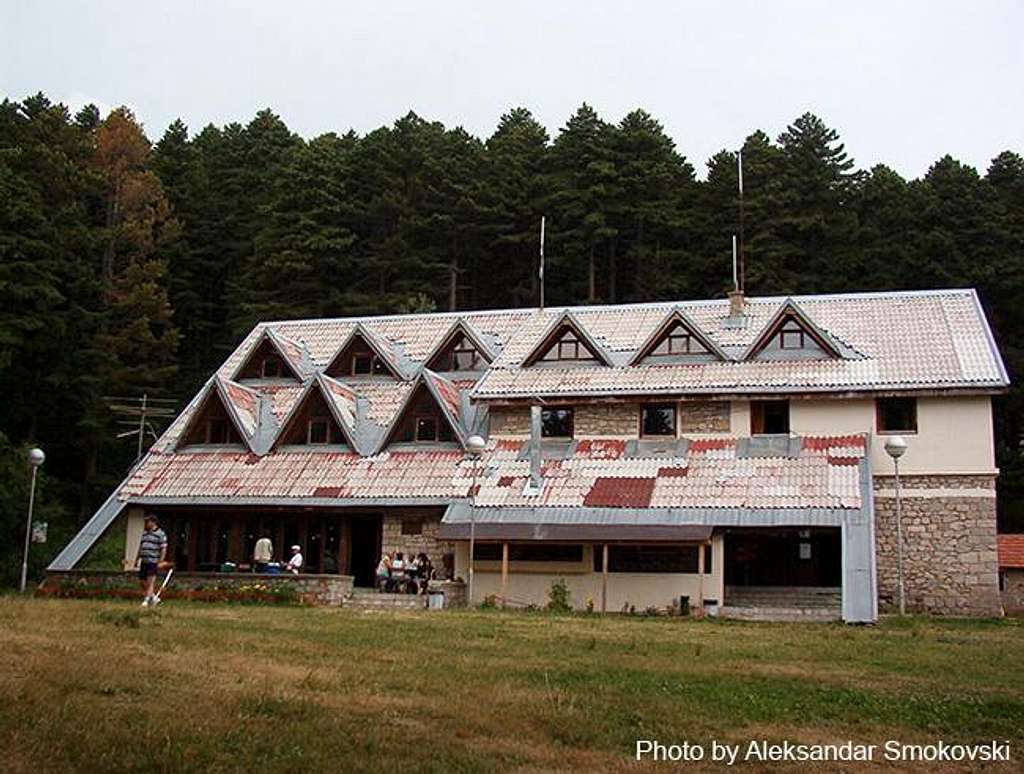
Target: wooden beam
(504,572)
(700,576)
(604,578)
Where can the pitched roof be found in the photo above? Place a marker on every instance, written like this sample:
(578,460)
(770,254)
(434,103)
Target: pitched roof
(1011,551)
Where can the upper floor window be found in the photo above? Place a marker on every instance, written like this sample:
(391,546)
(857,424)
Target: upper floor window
(460,355)
(568,347)
(365,362)
(212,425)
(556,423)
(266,362)
(679,341)
(769,417)
(423,421)
(791,335)
(658,419)
(896,415)
(272,367)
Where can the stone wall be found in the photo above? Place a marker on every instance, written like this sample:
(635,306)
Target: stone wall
(1013,591)
(949,543)
(606,419)
(509,420)
(704,416)
(440,552)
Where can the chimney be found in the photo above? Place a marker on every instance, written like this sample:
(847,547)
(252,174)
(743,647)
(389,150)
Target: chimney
(736,303)
(535,482)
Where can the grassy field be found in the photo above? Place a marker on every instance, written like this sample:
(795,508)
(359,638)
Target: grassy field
(88,685)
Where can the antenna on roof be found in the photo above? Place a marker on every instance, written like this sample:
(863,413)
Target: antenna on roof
(540,274)
(735,270)
(145,408)
(741,280)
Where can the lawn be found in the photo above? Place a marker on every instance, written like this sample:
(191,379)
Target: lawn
(87,685)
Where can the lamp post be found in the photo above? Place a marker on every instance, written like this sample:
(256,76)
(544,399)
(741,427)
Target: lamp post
(35,459)
(895,447)
(475,446)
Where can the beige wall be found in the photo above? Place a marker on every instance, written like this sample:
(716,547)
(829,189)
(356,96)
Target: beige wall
(135,523)
(529,582)
(954,434)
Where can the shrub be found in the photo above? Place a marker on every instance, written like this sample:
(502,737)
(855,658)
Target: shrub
(558,597)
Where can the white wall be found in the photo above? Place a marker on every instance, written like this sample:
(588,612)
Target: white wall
(529,582)
(135,524)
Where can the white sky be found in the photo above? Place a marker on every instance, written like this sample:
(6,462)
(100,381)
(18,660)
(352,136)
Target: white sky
(903,82)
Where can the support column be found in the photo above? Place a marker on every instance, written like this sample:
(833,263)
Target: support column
(604,578)
(700,575)
(504,572)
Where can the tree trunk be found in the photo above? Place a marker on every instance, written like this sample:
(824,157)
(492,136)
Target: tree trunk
(591,277)
(612,271)
(453,284)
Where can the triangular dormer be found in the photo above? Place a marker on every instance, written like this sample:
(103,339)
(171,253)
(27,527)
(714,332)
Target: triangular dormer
(365,354)
(792,335)
(568,343)
(677,339)
(316,420)
(217,421)
(274,358)
(460,350)
(430,414)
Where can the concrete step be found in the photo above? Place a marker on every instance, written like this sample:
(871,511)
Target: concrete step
(782,597)
(365,599)
(796,614)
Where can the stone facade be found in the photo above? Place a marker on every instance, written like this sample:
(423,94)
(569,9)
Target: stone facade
(420,535)
(704,416)
(607,419)
(509,420)
(949,543)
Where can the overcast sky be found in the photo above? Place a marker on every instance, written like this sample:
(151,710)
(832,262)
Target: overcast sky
(903,82)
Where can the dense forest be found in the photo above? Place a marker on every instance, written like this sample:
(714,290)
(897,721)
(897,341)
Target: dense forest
(129,267)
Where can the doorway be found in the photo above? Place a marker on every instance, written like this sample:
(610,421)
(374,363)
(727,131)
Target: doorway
(364,551)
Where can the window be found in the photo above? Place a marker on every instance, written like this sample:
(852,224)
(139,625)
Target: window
(568,347)
(530,552)
(464,356)
(791,335)
(272,367)
(319,431)
(658,419)
(769,417)
(896,415)
(650,559)
(679,341)
(362,363)
(556,423)
(217,430)
(707,559)
(426,429)
(412,526)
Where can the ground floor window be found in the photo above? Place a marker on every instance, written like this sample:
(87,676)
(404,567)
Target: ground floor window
(529,552)
(649,559)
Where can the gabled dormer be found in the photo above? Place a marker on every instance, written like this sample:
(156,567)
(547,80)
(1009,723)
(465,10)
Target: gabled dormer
(677,339)
(567,343)
(792,335)
(430,414)
(227,415)
(323,417)
(460,350)
(365,354)
(275,358)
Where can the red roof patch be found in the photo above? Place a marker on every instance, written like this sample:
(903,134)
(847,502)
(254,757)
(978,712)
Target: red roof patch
(1011,551)
(673,472)
(620,493)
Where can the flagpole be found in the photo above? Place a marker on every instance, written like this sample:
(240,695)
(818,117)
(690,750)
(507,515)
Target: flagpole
(541,272)
(741,285)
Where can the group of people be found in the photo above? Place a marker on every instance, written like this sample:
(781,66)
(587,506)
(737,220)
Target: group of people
(398,574)
(263,555)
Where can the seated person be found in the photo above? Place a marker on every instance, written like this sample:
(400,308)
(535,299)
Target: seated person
(384,572)
(295,563)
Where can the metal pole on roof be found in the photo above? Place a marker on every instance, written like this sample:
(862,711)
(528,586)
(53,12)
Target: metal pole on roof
(743,269)
(540,274)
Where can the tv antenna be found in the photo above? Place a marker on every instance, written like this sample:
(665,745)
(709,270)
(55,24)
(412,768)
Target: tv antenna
(137,414)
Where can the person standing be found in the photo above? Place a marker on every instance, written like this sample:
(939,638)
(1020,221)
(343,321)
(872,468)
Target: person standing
(262,553)
(152,552)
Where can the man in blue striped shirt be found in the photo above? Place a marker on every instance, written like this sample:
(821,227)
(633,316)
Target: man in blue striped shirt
(152,551)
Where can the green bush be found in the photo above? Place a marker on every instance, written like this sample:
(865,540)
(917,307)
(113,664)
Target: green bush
(559,597)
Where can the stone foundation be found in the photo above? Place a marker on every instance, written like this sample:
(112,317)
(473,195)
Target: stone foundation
(616,420)
(949,544)
(704,417)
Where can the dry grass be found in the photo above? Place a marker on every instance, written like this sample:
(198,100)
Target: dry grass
(88,685)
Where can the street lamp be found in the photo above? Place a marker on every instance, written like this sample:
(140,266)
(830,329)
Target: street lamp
(35,459)
(475,446)
(895,447)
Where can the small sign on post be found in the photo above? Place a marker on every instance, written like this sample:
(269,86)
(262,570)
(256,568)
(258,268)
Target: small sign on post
(39,531)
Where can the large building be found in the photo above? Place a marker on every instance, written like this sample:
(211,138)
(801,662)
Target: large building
(723,450)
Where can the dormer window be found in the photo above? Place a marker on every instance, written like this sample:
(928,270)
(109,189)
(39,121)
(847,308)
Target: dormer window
(211,426)
(568,347)
(791,335)
(459,355)
(678,342)
(422,420)
(426,429)
(360,357)
(272,367)
(312,424)
(267,362)
(218,430)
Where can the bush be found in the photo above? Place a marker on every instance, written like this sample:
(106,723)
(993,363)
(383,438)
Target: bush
(559,597)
